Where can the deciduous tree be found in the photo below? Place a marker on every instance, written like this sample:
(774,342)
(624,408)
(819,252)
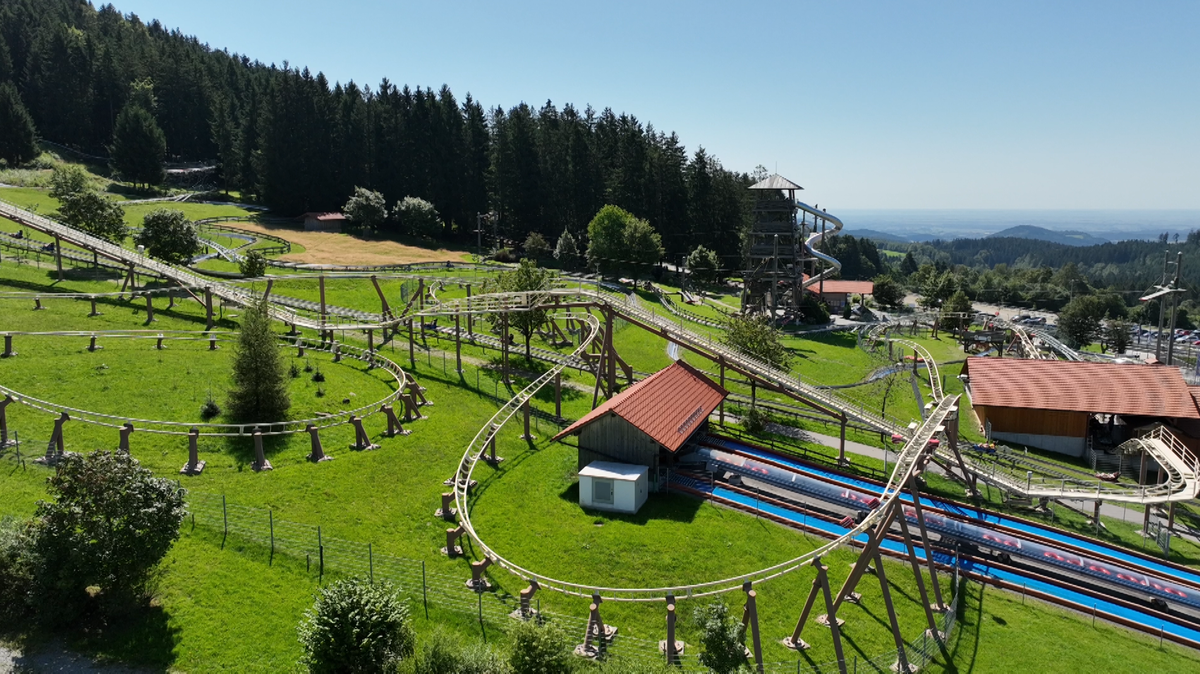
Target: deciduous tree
(366,209)
(168,235)
(756,336)
(94,214)
(526,278)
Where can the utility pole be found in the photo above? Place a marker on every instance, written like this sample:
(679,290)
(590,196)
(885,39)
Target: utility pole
(1174,307)
(479,234)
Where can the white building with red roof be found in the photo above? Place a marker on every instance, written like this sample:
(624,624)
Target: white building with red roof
(648,423)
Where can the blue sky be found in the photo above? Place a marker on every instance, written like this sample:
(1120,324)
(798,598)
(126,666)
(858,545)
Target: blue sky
(882,104)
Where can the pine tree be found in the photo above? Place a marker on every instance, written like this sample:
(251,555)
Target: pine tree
(259,392)
(139,147)
(18,137)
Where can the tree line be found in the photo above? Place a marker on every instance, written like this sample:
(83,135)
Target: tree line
(299,143)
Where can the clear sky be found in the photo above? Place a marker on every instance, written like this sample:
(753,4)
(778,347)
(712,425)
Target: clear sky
(867,104)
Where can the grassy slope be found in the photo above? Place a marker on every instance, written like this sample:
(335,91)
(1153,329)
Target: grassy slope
(386,497)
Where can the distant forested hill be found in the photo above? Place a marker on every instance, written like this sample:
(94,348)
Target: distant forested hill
(300,143)
(1043,234)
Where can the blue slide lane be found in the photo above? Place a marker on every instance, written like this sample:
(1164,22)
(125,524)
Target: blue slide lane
(1017,525)
(1015,578)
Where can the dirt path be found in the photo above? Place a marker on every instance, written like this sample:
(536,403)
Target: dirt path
(334,248)
(54,658)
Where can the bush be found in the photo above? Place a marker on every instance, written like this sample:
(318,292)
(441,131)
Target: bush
(318,376)
(505,255)
(17,564)
(366,208)
(539,649)
(253,265)
(294,371)
(356,626)
(536,247)
(721,639)
(108,524)
(443,653)
(210,409)
(168,235)
(755,421)
(68,179)
(418,217)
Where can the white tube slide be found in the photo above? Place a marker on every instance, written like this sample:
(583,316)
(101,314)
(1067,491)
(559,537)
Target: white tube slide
(813,241)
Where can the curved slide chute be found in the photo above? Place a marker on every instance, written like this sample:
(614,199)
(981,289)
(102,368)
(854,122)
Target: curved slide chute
(811,243)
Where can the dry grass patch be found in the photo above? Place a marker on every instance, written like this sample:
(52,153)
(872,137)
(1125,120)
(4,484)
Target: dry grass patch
(334,248)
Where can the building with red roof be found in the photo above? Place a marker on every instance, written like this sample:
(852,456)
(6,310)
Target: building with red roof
(323,222)
(648,423)
(1056,405)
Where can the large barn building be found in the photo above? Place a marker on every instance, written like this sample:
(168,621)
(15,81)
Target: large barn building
(647,423)
(1057,405)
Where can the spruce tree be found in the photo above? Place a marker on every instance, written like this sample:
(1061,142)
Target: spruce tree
(138,147)
(259,392)
(18,137)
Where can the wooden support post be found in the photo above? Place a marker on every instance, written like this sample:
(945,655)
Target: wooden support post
(446,512)
(58,257)
(891,611)
(1170,516)
(267,292)
(95,311)
(260,457)
(753,393)
(609,350)
(913,491)
(452,548)
(470,316)
(916,569)
(834,627)
(458,343)
(8,349)
(194,465)
(794,641)
(750,619)
(362,441)
(92,344)
(316,452)
(864,558)
(394,428)
(149,309)
(558,396)
(478,583)
(4,441)
(1146,520)
(125,431)
(842,442)
(598,635)
(526,412)
(208,309)
(385,310)
(504,345)
(321,285)
(671,647)
(525,609)
(412,356)
(721,415)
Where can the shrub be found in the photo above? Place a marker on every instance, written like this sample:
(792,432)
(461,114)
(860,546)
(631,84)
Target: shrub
(366,208)
(294,371)
(539,649)
(318,376)
(505,255)
(418,217)
(168,235)
(721,639)
(356,626)
(536,247)
(210,409)
(17,563)
(108,524)
(755,421)
(443,653)
(253,265)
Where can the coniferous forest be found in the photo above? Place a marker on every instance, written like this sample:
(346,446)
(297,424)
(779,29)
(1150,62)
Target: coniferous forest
(296,142)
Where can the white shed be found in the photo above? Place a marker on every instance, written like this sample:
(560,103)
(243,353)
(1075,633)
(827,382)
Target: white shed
(619,487)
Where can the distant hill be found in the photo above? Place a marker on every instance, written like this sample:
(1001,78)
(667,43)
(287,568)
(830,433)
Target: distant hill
(1043,234)
(876,235)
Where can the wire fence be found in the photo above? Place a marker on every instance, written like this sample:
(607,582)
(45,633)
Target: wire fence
(426,586)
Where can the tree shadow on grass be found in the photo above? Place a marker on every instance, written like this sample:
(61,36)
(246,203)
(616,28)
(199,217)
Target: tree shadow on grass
(144,639)
(671,507)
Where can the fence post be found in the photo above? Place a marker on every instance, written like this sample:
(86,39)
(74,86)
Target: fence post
(225,517)
(271,519)
(371,563)
(424,593)
(320,555)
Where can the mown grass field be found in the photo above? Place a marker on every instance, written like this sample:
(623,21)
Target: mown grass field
(527,508)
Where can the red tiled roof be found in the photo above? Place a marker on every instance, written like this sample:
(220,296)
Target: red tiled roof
(668,405)
(1098,388)
(841,286)
(849,287)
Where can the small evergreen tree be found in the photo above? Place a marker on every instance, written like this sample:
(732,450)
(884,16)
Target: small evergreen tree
(356,626)
(99,216)
(168,235)
(566,251)
(139,146)
(18,136)
(259,392)
(253,264)
(887,292)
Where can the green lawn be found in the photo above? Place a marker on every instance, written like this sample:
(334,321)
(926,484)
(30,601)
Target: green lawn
(527,509)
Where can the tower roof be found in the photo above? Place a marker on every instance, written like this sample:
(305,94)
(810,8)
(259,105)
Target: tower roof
(775,182)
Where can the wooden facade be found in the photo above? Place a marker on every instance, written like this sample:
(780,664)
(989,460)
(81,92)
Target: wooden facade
(1034,422)
(612,438)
